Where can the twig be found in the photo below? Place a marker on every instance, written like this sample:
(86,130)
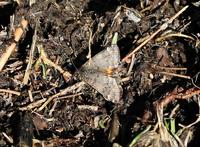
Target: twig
(10,91)
(174,35)
(89,45)
(63,92)
(2,3)
(53,108)
(11,28)
(8,51)
(165,135)
(192,124)
(68,96)
(174,110)
(162,28)
(9,139)
(47,61)
(196,121)
(88,107)
(175,75)
(30,95)
(178,94)
(131,65)
(33,105)
(30,61)
(188,93)
(169,68)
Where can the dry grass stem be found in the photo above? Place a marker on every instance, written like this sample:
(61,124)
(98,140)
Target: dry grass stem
(30,95)
(89,55)
(53,108)
(88,107)
(8,51)
(196,121)
(9,139)
(2,3)
(131,65)
(10,91)
(63,92)
(170,68)
(33,105)
(68,96)
(162,28)
(67,76)
(174,35)
(175,75)
(30,61)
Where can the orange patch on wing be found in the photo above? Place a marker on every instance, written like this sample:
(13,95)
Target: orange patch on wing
(109,71)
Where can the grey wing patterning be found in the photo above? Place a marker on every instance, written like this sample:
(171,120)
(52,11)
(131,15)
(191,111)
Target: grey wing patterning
(92,73)
(106,85)
(110,57)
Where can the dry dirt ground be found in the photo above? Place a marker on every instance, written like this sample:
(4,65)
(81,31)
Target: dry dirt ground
(99,73)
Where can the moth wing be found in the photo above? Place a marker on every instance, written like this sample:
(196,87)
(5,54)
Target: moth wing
(105,85)
(109,57)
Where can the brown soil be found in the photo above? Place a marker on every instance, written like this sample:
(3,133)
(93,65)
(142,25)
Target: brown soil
(162,85)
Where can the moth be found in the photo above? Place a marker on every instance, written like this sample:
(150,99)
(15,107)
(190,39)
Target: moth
(100,72)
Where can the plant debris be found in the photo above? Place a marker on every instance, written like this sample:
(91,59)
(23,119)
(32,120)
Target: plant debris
(99,73)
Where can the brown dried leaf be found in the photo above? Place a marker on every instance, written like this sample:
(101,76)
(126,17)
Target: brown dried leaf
(39,122)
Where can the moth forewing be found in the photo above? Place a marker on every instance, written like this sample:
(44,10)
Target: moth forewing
(98,73)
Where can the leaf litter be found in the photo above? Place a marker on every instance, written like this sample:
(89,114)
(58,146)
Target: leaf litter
(154,103)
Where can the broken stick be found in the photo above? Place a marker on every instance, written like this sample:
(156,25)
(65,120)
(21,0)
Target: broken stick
(162,28)
(8,51)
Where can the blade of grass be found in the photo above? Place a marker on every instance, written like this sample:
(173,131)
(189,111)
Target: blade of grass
(139,135)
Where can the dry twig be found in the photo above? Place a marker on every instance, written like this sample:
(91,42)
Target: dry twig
(175,75)
(162,28)
(10,91)
(2,3)
(66,75)
(169,68)
(9,50)
(174,35)
(33,105)
(8,138)
(178,94)
(30,61)
(63,92)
